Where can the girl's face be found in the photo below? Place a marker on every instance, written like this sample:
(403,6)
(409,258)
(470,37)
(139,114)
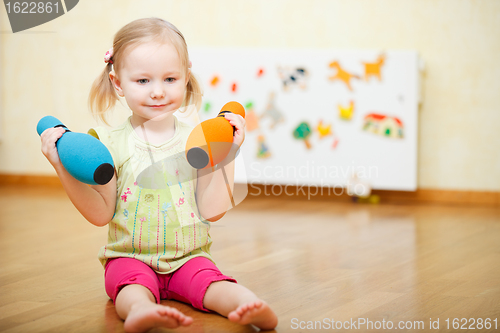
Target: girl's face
(152,80)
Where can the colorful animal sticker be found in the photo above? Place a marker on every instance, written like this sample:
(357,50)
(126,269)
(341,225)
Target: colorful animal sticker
(303,133)
(345,113)
(251,118)
(207,107)
(341,75)
(260,72)
(234,87)
(214,81)
(391,127)
(262,148)
(335,143)
(271,111)
(293,77)
(374,68)
(324,130)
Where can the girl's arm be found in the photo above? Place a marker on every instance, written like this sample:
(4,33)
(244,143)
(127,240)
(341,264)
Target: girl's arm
(212,194)
(96,202)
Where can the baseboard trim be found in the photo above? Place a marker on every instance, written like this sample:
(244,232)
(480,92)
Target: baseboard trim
(480,198)
(420,196)
(29,180)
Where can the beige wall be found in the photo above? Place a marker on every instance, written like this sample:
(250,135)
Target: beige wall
(49,69)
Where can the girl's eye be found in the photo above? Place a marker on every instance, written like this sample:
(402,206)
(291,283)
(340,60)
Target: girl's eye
(142,81)
(170,79)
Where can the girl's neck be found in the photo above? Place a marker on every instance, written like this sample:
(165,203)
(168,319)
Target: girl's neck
(156,131)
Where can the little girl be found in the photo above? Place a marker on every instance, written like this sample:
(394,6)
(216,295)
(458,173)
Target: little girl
(158,241)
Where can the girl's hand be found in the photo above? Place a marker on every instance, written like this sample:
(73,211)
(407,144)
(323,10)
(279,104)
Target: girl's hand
(239,123)
(49,138)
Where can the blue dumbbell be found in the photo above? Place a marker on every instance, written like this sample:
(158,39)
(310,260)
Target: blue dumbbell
(82,155)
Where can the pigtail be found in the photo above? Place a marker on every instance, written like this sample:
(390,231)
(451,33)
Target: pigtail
(102,95)
(193,92)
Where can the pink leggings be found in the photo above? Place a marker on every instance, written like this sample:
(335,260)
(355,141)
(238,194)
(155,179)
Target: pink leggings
(187,284)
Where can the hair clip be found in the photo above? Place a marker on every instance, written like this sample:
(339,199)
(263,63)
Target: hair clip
(108,56)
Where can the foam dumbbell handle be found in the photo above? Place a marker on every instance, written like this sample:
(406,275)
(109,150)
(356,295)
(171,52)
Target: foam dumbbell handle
(82,155)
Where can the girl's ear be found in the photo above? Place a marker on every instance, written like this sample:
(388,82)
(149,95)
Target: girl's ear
(116,83)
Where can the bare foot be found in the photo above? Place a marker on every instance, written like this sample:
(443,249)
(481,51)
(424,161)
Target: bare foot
(145,316)
(257,313)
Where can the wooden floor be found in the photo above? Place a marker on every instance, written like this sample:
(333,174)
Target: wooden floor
(312,261)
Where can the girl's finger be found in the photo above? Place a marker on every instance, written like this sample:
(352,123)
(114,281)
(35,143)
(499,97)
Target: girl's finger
(49,132)
(55,135)
(49,138)
(235,119)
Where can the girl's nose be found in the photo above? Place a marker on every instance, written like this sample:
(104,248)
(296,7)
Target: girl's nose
(158,92)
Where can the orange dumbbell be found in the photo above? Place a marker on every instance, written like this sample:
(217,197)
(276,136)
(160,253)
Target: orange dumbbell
(210,141)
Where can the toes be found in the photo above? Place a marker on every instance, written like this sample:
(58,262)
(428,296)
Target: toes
(179,316)
(241,309)
(248,307)
(175,314)
(234,316)
(185,320)
(166,311)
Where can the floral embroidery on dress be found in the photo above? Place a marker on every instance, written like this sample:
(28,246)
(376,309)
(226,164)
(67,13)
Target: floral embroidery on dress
(181,201)
(165,207)
(149,198)
(124,196)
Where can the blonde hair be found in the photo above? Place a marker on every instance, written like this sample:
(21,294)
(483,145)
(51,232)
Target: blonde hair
(103,96)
